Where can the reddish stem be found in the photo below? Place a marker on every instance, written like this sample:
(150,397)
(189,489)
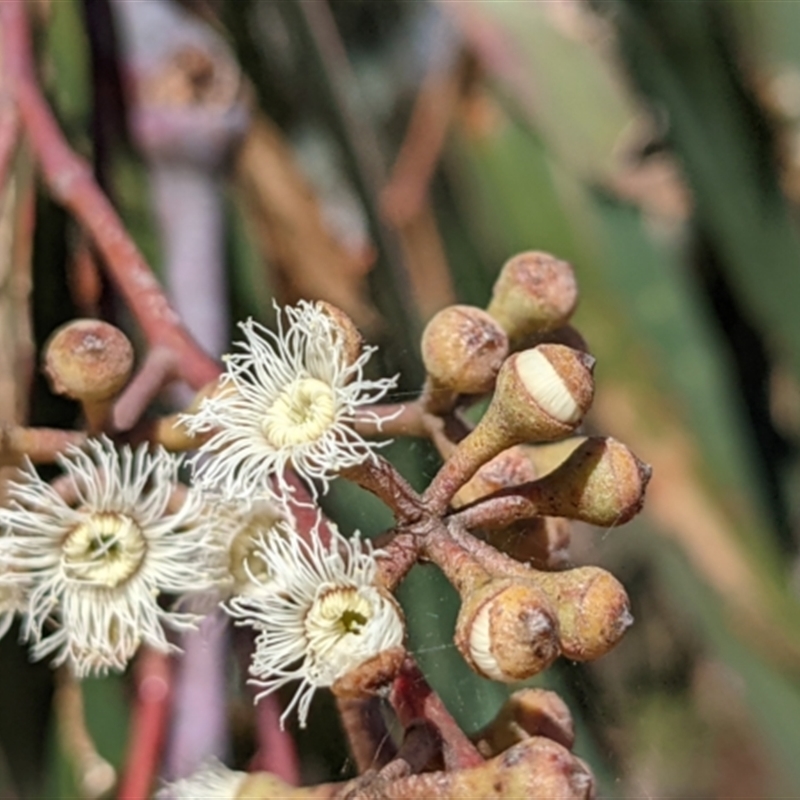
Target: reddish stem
(148,726)
(413,699)
(9,131)
(71,182)
(276,749)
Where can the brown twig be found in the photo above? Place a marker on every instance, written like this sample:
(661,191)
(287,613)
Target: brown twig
(383,480)
(370,743)
(40,445)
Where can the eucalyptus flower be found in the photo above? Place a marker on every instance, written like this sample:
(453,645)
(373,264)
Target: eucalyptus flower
(287,398)
(325,617)
(98,555)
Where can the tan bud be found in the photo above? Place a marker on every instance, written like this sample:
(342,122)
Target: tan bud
(601,482)
(543,393)
(507,630)
(540,395)
(534,292)
(510,468)
(88,360)
(593,610)
(351,336)
(528,712)
(535,768)
(463,349)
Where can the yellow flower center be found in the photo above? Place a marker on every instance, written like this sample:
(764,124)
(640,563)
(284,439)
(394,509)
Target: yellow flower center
(244,560)
(105,550)
(335,615)
(302,412)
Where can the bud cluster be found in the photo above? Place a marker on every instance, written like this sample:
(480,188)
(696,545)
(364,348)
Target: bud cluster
(292,412)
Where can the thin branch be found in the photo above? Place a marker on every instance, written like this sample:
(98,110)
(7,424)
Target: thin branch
(71,182)
(413,699)
(148,726)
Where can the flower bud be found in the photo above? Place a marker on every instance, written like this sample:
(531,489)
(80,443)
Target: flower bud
(536,767)
(88,360)
(510,468)
(593,610)
(463,349)
(543,393)
(540,395)
(528,712)
(534,292)
(602,483)
(507,630)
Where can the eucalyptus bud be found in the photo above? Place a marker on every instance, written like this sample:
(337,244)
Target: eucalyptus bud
(507,630)
(512,467)
(540,395)
(90,361)
(534,292)
(463,349)
(528,712)
(592,607)
(601,482)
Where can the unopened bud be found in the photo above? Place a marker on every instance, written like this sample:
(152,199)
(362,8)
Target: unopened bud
(507,630)
(510,468)
(540,395)
(528,712)
(351,337)
(88,360)
(463,349)
(543,393)
(593,610)
(534,292)
(602,483)
(536,767)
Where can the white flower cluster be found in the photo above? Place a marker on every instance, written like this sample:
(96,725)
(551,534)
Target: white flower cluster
(86,565)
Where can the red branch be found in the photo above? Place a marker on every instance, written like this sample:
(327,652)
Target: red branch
(413,699)
(70,180)
(148,726)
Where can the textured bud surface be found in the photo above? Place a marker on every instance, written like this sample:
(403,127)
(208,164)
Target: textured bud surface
(463,349)
(88,360)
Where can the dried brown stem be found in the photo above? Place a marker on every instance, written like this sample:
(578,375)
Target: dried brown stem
(396,419)
(40,445)
(396,559)
(403,198)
